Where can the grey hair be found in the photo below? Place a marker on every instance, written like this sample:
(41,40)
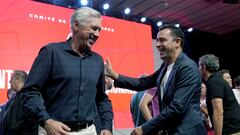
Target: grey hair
(20,75)
(210,61)
(82,15)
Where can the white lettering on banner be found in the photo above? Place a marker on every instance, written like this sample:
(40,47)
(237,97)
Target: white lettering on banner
(108,29)
(5,76)
(2,79)
(9,73)
(46,18)
(36,16)
(120,91)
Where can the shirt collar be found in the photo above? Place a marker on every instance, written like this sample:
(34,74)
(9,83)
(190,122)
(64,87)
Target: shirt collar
(68,48)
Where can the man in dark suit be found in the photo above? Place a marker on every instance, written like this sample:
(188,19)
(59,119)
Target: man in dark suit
(178,84)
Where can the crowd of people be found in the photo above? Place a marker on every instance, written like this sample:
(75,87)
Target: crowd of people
(64,92)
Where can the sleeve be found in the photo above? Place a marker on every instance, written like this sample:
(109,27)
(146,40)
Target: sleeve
(215,90)
(186,89)
(103,103)
(152,91)
(31,91)
(137,84)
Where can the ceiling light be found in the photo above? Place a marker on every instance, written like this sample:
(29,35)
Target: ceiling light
(159,23)
(177,25)
(143,19)
(105,6)
(190,29)
(127,11)
(84,2)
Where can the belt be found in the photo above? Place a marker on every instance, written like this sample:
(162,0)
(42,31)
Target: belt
(76,126)
(163,132)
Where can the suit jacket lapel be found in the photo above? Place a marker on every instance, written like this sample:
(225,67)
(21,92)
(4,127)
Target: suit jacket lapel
(170,79)
(172,75)
(161,74)
(163,70)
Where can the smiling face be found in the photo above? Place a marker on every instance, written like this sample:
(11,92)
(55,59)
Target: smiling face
(88,34)
(167,44)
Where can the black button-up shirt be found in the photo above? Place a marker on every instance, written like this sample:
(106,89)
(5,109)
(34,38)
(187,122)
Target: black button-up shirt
(72,87)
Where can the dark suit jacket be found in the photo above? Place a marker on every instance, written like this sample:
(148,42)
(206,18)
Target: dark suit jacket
(179,109)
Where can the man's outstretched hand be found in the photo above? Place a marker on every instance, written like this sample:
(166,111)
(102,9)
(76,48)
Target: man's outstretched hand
(109,71)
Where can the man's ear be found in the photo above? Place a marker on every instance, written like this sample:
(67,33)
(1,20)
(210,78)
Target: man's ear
(204,67)
(178,41)
(76,26)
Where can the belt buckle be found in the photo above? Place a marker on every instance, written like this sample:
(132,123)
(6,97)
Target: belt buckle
(82,125)
(89,123)
(163,132)
(79,125)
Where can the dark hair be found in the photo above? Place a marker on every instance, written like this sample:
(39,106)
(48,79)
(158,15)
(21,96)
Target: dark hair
(224,71)
(175,32)
(237,80)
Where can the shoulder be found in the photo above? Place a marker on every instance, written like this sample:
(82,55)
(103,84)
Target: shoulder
(2,107)
(215,77)
(187,70)
(97,56)
(215,81)
(184,60)
(184,63)
(50,48)
(55,45)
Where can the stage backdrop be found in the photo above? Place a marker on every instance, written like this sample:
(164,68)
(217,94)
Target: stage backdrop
(25,26)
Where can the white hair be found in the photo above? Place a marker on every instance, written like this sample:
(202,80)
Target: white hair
(82,15)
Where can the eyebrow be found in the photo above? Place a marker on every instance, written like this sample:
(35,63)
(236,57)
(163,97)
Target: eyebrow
(96,28)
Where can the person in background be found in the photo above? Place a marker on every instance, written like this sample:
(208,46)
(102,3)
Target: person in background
(70,79)
(236,90)
(222,106)
(226,76)
(10,93)
(204,110)
(137,116)
(149,105)
(178,83)
(29,126)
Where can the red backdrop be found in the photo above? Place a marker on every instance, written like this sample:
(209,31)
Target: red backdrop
(25,26)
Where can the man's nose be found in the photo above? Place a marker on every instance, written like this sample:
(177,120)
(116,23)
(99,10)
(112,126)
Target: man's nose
(158,44)
(96,33)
